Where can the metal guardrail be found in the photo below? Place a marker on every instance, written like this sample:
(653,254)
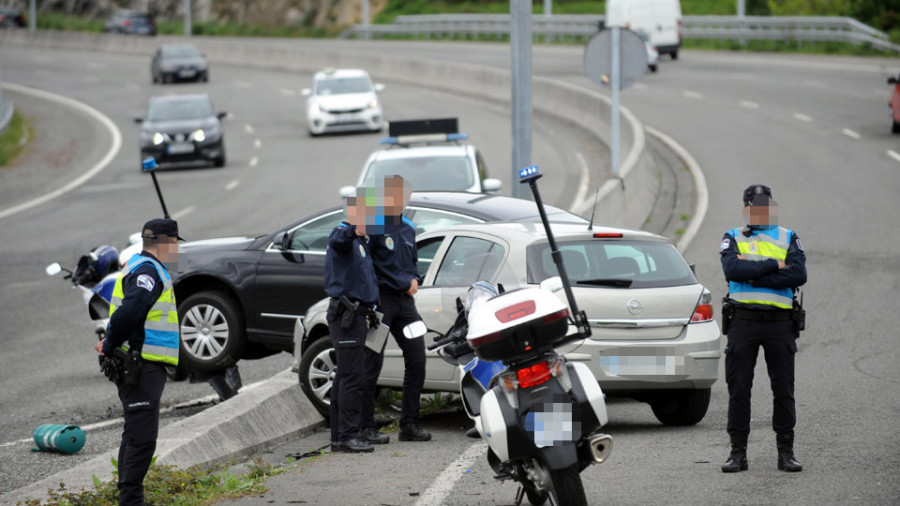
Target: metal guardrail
(788,29)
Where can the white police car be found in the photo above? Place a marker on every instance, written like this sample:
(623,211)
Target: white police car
(429,154)
(343,100)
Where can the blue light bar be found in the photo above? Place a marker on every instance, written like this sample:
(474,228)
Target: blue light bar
(529,173)
(149,164)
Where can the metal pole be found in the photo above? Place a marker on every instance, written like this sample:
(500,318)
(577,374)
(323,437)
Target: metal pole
(520,42)
(616,71)
(366,18)
(548,12)
(740,14)
(187,18)
(32,15)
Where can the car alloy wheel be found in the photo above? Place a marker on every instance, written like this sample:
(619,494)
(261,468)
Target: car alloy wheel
(317,370)
(212,334)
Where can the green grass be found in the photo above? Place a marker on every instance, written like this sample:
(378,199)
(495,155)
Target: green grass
(14,139)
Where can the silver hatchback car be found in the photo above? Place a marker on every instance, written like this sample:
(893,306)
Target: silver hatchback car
(654,337)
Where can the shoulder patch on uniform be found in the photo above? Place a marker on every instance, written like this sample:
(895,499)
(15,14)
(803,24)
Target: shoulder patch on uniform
(726,242)
(146,282)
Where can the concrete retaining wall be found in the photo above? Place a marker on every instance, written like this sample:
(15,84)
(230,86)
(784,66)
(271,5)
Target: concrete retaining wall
(626,201)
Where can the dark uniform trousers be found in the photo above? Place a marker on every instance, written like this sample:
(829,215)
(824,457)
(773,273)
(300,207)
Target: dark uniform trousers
(399,310)
(347,390)
(779,345)
(141,405)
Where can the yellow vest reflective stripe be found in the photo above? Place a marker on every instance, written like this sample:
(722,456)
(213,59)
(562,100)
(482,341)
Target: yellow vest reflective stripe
(758,247)
(161,329)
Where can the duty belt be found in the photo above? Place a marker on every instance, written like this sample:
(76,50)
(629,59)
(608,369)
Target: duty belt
(342,306)
(762,315)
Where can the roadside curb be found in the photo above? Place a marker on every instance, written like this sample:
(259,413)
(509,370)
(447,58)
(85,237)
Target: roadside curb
(273,412)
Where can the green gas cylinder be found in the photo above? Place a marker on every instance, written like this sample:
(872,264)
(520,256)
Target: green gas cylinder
(58,438)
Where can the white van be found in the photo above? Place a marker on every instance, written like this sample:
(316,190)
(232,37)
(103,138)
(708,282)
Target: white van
(660,19)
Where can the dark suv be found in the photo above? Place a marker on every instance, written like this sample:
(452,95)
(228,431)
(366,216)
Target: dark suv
(131,23)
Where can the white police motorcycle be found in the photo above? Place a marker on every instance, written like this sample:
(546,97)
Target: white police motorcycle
(540,415)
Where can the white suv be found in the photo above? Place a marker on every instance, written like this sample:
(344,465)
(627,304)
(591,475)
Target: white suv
(343,100)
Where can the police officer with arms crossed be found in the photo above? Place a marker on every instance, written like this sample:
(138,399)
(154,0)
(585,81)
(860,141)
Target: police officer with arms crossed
(143,332)
(394,256)
(350,282)
(764,265)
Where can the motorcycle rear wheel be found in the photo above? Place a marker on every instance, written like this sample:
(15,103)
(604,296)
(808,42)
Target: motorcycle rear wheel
(567,487)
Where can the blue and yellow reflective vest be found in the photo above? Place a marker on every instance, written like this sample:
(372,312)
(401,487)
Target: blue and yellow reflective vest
(161,330)
(762,245)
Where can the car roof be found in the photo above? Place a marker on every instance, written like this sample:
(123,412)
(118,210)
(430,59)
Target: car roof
(177,98)
(527,232)
(329,73)
(487,206)
(446,150)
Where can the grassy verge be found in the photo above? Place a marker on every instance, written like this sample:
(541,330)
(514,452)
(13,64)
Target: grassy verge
(14,139)
(194,486)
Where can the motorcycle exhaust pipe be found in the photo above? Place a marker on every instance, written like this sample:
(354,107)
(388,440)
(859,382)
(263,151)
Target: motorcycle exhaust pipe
(600,446)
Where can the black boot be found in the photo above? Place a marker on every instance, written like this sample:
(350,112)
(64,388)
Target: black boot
(737,461)
(786,460)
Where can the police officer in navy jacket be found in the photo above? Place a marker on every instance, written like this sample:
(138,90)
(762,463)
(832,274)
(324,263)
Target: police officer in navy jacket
(764,264)
(351,284)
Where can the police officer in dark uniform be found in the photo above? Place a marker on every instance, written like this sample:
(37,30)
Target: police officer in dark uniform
(764,264)
(394,256)
(350,282)
(142,337)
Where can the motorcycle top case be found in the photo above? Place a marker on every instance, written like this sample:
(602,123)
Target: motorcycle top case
(517,325)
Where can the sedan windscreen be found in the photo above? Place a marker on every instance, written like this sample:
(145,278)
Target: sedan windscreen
(180,52)
(343,85)
(612,264)
(172,110)
(449,173)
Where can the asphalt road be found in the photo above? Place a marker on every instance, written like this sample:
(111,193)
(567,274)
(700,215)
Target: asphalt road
(815,129)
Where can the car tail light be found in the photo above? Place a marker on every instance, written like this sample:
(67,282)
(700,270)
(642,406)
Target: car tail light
(127,22)
(534,375)
(607,235)
(516,311)
(704,310)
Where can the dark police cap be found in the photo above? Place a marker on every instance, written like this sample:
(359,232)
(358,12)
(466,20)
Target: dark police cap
(758,195)
(161,226)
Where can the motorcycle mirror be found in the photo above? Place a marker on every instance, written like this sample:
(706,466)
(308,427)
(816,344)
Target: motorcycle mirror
(459,305)
(552,285)
(53,269)
(415,329)
(135,238)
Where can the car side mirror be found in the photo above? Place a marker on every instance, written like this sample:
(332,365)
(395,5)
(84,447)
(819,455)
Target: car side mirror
(693,268)
(221,114)
(306,92)
(348,191)
(552,285)
(139,120)
(53,269)
(491,185)
(282,241)
(379,87)
(892,80)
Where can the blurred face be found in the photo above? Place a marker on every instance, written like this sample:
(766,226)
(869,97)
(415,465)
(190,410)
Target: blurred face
(167,249)
(396,195)
(356,213)
(761,215)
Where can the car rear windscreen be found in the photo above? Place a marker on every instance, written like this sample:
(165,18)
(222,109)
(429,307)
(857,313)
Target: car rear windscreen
(611,263)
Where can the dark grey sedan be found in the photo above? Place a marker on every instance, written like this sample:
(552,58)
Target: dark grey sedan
(182,128)
(178,62)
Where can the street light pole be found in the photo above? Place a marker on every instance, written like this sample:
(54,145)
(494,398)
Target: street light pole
(520,52)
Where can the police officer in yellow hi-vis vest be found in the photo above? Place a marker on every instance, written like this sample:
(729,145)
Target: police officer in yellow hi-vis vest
(143,330)
(764,265)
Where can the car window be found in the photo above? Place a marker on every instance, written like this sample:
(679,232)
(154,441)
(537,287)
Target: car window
(180,52)
(343,85)
(646,264)
(169,110)
(313,235)
(452,173)
(468,260)
(427,220)
(426,250)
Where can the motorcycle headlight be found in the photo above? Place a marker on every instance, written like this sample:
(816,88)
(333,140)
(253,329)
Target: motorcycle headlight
(158,139)
(198,135)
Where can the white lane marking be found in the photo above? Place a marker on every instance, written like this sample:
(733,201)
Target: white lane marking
(254,161)
(232,185)
(693,94)
(442,485)
(114,147)
(289,93)
(802,117)
(184,212)
(243,84)
(248,128)
(257,143)
(893,154)
(583,184)
(851,133)
(749,105)
(699,186)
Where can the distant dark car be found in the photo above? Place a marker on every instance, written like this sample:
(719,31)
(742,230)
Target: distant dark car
(241,297)
(11,18)
(182,128)
(131,23)
(894,104)
(178,62)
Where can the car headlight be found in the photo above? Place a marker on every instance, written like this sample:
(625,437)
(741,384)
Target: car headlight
(314,108)
(198,135)
(158,139)
(373,104)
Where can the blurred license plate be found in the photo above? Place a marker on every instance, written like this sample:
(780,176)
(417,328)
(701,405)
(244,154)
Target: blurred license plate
(180,149)
(186,73)
(553,425)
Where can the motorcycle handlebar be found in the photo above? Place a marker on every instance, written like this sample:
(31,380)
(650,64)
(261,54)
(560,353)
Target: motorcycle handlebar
(441,342)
